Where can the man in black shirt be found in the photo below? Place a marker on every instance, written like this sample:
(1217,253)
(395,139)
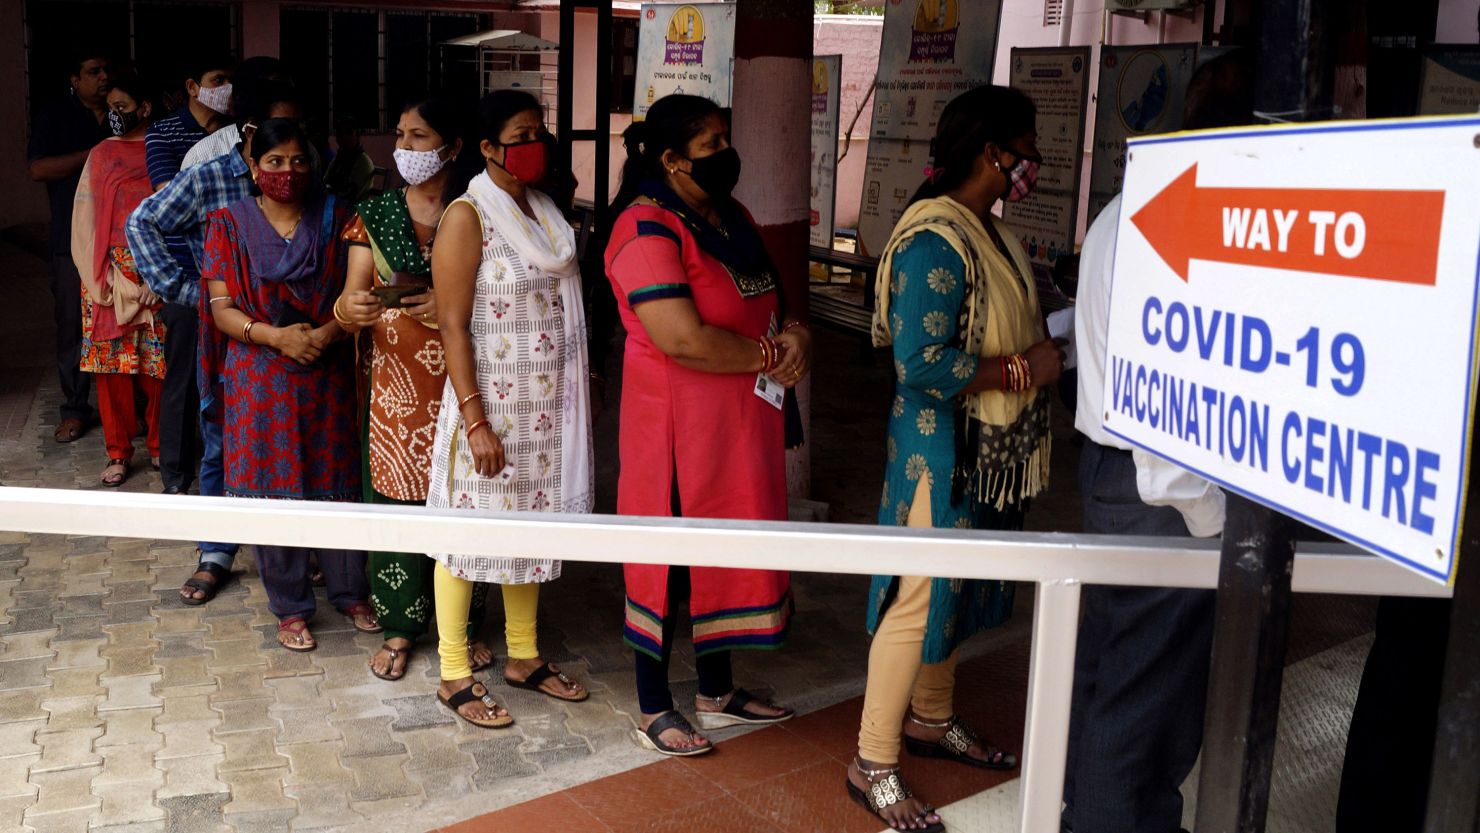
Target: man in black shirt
(63,135)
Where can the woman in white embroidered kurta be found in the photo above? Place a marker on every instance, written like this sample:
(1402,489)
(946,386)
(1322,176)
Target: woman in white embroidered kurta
(514,430)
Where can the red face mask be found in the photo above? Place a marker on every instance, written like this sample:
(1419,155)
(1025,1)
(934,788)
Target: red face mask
(527,161)
(283,186)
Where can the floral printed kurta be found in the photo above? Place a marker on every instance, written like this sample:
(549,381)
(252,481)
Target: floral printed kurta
(930,371)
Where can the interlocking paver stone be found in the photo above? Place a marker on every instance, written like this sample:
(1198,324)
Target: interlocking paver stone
(127,802)
(418,712)
(84,654)
(24,673)
(72,713)
(129,660)
(62,791)
(75,682)
(497,759)
(130,693)
(19,739)
(380,778)
(322,807)
(244,716)
(242,682)
(188,672)
(14,775)
(250,751)
(181,646)
(186,777)
(67,749)
(256,791)
(368,737)
(79,627)
(22,704)
(189,739)
(315,763)
(27,645)
(198,813)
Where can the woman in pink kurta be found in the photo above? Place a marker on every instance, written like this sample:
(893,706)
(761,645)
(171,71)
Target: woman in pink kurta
(705,321)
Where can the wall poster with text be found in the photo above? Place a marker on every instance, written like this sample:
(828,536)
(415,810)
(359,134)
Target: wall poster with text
(827,88)
(1057,79)
(688,49)
(932,51)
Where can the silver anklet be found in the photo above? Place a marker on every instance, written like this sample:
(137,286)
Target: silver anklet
(918,722)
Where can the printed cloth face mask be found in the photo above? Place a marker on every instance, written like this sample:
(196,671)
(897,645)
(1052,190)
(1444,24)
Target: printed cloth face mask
(418,166)
(1021,177)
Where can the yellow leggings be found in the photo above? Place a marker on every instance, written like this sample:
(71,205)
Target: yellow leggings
(897,679)
(454,595)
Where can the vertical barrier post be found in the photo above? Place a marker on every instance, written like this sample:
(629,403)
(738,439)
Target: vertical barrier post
(1296,76)
(1248,667)
(1454,785)
(1046,734)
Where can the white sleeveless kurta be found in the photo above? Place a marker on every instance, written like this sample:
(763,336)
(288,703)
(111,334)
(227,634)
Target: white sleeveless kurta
(529,342)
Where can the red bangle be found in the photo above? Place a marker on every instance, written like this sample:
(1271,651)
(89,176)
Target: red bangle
(792,325)
(482,423)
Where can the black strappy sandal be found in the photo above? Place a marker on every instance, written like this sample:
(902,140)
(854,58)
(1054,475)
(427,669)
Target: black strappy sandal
(734,713)
(649,738)
(885,793)
(209,589)
(538,677)
(955,745)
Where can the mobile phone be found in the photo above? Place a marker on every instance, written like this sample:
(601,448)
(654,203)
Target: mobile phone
(392,296)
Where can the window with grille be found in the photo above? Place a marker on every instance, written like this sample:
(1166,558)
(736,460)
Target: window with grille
(156,37)
(359,66)
(1053,12)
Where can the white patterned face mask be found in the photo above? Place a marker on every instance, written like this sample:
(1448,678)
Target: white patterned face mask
(216,98)
(418,166)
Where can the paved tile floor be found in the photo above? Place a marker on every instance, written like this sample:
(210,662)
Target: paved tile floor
(122,709)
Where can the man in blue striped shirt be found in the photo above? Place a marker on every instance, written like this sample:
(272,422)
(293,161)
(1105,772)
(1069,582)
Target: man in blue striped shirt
(208,84)
(181,208)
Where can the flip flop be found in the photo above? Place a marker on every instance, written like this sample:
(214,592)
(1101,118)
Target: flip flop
(209,588)
(358,609)
(298,626)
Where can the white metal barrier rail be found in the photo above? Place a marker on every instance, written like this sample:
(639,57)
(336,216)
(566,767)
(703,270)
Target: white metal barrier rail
(1059,564)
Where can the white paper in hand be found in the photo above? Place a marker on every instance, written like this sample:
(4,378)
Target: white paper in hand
(1061,325)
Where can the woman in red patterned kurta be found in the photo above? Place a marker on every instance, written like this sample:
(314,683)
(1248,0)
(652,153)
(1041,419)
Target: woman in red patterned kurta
(274,265)
(702,307)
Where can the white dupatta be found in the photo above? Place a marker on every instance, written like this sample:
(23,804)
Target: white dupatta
(548,243)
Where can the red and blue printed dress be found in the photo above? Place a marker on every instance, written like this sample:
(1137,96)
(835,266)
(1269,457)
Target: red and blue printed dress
(290,431)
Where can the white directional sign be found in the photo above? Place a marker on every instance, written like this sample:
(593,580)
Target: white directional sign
(1298,324)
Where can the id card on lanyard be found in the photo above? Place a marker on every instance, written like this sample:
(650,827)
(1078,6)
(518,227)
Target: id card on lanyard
(766,387)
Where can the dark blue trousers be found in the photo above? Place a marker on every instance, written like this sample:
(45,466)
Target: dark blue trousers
(1140,673)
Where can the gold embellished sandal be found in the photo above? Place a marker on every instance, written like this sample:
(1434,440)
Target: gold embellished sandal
(955,745)
(886,789)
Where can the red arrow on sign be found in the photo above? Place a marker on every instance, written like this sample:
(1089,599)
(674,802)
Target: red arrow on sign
(1382,235)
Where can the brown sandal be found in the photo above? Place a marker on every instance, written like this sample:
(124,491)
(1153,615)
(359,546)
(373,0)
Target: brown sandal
(362,609)
(390,670)
(115,472)
(297,626)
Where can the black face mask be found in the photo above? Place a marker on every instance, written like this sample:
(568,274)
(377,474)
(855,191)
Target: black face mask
(122,123)
(717,174)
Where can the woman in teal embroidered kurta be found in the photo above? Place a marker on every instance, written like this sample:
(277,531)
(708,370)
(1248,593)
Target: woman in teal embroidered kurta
(930,371)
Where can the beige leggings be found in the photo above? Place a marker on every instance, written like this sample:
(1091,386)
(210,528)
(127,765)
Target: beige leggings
(897,679)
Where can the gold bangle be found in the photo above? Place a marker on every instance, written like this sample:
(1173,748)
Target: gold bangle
(475,426)
(340,318)
(247,332)
(469,398)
